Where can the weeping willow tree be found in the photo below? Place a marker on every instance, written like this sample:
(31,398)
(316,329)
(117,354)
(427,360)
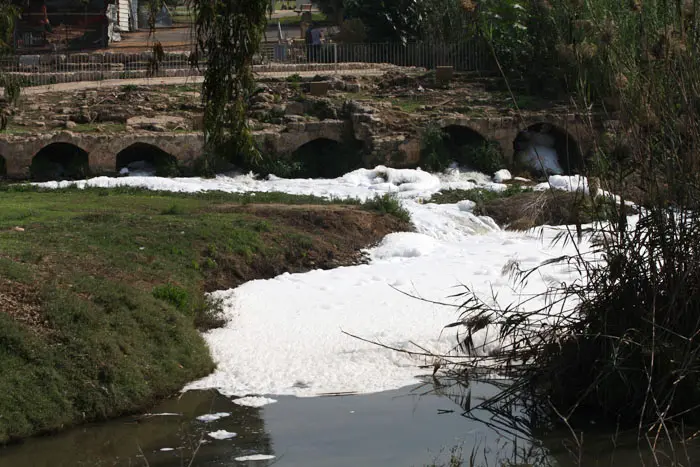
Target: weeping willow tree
(226,35)
(9,14)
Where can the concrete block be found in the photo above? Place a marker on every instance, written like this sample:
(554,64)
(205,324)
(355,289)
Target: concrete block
(319,88)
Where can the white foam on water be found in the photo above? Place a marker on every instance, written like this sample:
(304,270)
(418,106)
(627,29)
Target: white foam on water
(254,401)
(210,417)
(255,457)
(297,334)
(222,434)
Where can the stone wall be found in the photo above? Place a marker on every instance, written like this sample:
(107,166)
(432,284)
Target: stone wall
(102,149)
(382,145)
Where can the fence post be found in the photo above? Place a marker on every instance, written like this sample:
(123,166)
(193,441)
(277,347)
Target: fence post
(335,56)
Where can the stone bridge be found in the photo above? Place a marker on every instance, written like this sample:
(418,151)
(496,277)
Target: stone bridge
(107,153)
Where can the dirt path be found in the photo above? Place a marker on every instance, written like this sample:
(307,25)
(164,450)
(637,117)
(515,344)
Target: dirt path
(79,85)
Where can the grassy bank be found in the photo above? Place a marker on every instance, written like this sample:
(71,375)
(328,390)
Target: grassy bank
(522,208)
(102,291)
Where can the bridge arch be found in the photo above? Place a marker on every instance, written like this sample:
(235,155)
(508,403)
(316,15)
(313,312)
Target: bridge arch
(470,148)
(327,158)
(60,161)
(146,158)
(3,166)
(547,148)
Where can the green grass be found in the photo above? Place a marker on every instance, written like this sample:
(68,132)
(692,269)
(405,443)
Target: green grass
(408,105)
(118,277)
(388,204)
(477,195)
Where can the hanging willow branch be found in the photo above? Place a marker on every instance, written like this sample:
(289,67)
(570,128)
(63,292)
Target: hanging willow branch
(228,33)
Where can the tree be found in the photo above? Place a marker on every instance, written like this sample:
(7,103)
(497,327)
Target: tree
(388,20)
(406,20)
(333,9)
(228,33)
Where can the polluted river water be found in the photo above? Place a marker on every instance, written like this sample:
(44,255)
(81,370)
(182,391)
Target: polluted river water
(288,339)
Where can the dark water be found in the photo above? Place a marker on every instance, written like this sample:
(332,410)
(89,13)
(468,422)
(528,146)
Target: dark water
(396,428)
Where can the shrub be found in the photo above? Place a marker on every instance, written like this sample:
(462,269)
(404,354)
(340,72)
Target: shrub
(176,296)
(166,167)
(208,313)
(621,345)
(173,210)
(486,158)
(388,204)
(434,154)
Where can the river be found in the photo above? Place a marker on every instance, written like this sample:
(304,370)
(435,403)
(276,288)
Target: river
(284,338)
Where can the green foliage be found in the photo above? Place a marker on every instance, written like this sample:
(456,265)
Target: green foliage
(448,21)
(176,296)
(388,204)
(438,151)
(173,210)
(486,157)
(434,154)
(229,34)
(388,21)
(333,9)
(478,195)
(504,24)
(13,88)
(167,167)
(9,14)
(620,345)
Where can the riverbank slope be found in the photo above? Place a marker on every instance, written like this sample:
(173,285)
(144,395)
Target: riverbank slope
(102,292)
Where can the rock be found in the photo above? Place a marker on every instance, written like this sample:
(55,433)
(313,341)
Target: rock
(353,87)
(69,125)
(319,88)
(263,97)
(157,123)
(294,108)
(337,84)
(40,124)
(261,106)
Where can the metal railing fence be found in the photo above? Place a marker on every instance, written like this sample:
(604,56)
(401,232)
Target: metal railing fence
(53,68)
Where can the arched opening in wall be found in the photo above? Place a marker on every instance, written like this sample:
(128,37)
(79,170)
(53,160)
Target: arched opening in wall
(3,167)
(146,159)
(543,148)
(462,145)
(326,158)
(60,161)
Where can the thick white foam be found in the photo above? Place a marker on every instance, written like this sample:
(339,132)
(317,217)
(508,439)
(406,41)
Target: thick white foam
(286,335)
